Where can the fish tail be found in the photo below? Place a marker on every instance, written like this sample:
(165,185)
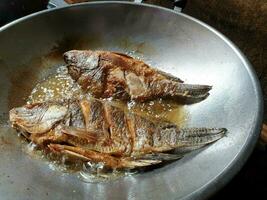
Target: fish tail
(191,91)
(128,163)
(183,141)
(161,156)
(171,137)
(200,136)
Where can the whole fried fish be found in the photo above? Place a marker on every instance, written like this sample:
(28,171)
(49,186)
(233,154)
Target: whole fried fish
(98,131)
(108,74)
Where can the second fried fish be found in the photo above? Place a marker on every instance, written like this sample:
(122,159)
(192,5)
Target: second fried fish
(108,74)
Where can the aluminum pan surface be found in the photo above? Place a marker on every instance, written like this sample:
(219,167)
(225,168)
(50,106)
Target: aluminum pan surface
(173,42)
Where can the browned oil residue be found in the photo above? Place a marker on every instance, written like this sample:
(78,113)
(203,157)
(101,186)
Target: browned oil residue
(4,141)
(21,84)
(76,42)
(143,48)
(70,43)
(4,118)
(26,75)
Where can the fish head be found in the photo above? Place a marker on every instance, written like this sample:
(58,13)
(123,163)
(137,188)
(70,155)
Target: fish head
(37,118)
(81,63)
(83,60)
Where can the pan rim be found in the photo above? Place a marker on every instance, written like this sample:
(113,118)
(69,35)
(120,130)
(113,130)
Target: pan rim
(219,181)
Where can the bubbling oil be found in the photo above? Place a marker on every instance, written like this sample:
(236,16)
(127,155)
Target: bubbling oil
(56,87)
(157,110)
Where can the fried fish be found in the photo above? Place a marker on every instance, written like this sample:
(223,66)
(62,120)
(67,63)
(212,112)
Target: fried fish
(96,130)
(108,74)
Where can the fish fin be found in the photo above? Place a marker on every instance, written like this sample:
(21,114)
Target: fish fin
(125,163)
(169,76)
(91,136)
(169,138)
(85,107)
(191,93)
(161,156)
(108,160)
(200,136)
(67,150)
(87,155)
(122,54)
(26,135)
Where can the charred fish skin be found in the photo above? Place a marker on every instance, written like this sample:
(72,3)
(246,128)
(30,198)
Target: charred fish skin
(109,74)
(105,133)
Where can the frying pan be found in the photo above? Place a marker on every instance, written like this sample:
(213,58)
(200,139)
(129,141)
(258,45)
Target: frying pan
(31,48)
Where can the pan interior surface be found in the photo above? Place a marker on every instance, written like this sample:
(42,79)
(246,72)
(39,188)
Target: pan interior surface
(31,48)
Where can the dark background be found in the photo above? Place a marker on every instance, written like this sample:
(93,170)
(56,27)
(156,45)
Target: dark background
(245,23)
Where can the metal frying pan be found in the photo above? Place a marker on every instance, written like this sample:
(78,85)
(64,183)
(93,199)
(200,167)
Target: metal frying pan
(30,48)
